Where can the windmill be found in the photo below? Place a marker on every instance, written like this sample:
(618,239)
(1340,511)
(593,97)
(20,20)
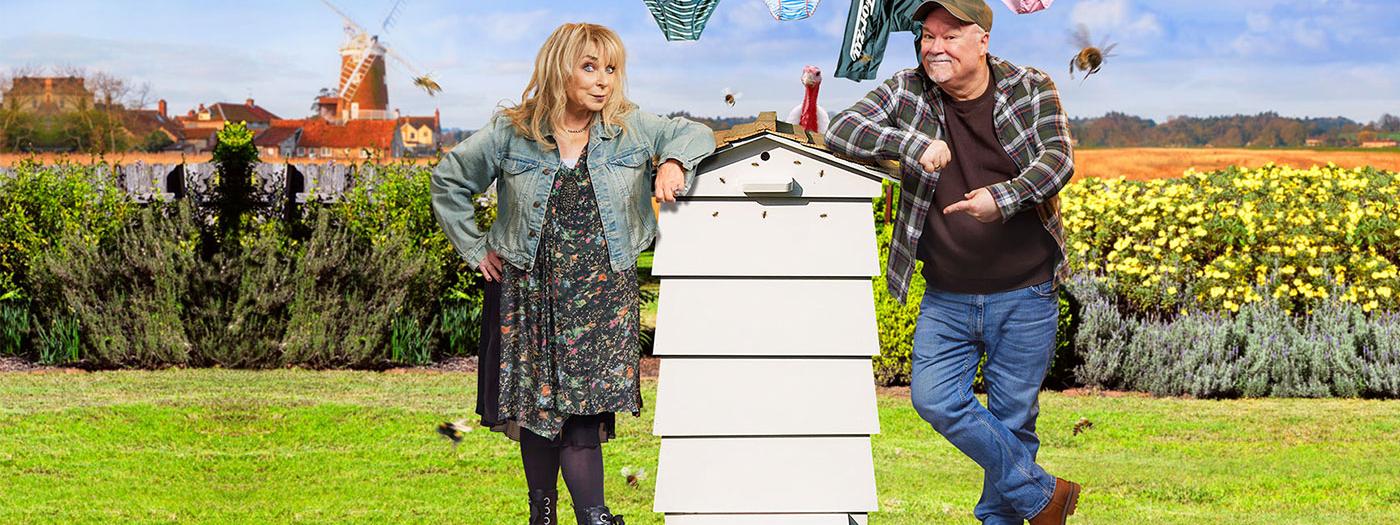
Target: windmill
(362,92)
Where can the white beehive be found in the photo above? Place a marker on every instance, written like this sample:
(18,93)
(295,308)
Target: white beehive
(766,325)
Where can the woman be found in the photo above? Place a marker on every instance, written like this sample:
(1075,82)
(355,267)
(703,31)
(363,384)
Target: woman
(570,163)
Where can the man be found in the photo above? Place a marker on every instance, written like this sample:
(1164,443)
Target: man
(984,149)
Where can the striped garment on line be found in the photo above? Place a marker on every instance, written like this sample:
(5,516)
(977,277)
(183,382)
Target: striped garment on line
(789,10)
(681,19)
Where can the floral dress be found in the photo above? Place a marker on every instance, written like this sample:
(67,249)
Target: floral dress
(569,325)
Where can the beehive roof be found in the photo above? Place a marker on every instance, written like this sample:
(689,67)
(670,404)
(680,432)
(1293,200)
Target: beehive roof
(768,124)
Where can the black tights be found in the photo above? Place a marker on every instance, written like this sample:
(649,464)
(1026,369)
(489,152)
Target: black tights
(582,467)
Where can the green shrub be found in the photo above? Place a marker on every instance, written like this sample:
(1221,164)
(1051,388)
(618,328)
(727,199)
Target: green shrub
(1263,350)
(40,203)
(348,292)
(237,304)
(460,326)
(894,320)
(396,199)
(375,282)
(14,326)
(235,196)
(1380,357)
(411,343)
(125,291)
(60,343)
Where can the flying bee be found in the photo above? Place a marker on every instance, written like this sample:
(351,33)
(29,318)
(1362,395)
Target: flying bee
(1090,57)
(428,84)
(1083,425)
(730,97)
(453,431)
(634,475)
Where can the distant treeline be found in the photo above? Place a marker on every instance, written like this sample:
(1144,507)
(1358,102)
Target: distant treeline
(1120,130)
(1267,130)
(715,123)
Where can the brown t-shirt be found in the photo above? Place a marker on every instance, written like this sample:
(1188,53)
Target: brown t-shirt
(960,253)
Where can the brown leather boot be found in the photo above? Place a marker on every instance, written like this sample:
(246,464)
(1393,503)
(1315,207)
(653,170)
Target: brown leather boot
(1061,505)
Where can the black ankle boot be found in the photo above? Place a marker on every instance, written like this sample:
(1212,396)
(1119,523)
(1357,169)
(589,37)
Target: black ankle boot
(543,507)
(599,515)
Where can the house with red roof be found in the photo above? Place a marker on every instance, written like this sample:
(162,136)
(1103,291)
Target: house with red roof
(199,125)
(279,141)
(351,140)
(140,123)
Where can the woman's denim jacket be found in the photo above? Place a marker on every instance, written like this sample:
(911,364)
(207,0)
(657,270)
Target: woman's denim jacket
(619,164)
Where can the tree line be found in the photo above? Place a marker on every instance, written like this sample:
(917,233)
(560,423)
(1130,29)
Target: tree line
(1265,130)
(99,125)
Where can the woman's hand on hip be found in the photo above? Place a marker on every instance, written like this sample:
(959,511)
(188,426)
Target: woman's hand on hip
(491,266)
(670,181)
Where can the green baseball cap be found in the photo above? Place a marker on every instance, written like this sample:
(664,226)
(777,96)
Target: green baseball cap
(970,11)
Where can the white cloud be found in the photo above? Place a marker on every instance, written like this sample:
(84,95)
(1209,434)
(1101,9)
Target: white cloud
(1264,37)
(1258,22)
(1103,16)
(747,17)
(512,26)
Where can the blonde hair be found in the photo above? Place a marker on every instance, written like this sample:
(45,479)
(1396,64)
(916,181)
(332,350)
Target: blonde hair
(542,102)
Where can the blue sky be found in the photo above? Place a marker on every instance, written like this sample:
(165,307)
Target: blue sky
(1177,57)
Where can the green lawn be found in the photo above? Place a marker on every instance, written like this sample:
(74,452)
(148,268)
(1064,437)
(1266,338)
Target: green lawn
(220,446)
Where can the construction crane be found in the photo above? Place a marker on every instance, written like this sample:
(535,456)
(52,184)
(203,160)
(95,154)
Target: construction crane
(352,77)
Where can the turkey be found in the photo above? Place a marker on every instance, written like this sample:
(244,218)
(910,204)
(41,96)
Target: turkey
(808,114)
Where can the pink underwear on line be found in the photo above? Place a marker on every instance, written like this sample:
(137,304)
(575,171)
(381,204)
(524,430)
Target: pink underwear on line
(1022,7)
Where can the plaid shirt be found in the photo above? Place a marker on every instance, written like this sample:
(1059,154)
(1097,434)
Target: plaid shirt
(898,120)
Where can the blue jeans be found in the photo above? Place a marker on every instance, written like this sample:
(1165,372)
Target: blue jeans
(1016,330)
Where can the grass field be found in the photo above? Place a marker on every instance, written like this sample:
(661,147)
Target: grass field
(1154,163)
(292,446)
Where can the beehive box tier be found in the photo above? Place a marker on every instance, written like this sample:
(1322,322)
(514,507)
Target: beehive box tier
(780,238)
(766,519)
(765,475)
(767,317)
(814,173)
(765,397)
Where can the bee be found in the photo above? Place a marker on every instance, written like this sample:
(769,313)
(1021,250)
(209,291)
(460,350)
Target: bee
(634,475)
(715,214)
(428,84)
(1090,57)
(823,215)
(454,430)
(864,58)
(1083,425)
(798,162)
(730,97)
(765,214)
